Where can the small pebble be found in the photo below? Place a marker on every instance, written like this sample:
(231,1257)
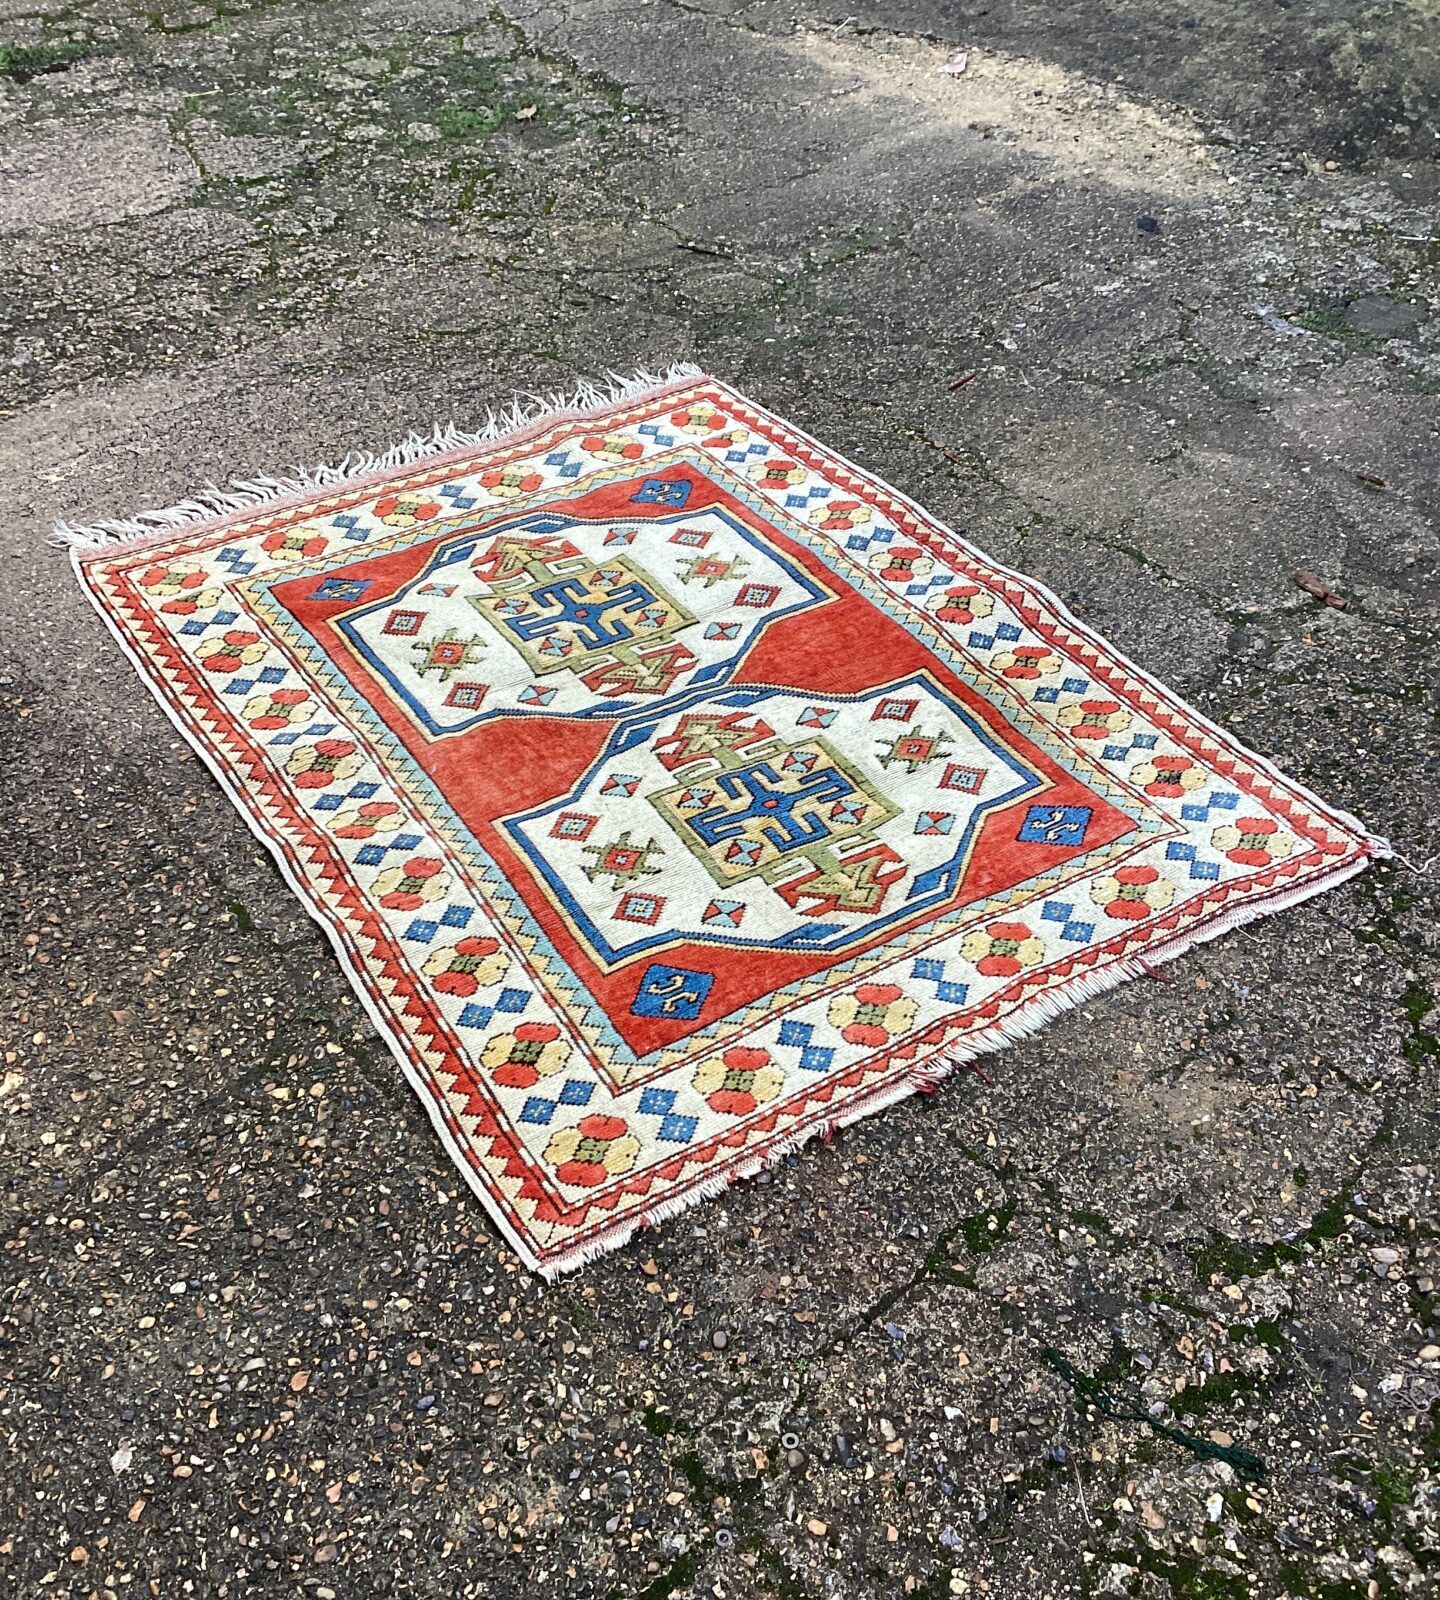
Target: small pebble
(719,1338)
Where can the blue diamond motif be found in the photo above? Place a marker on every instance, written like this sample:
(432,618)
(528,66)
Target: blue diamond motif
(422,930)
(371,855)
(1007,631)
(473,1016)
(1078,932)
(816,1057)
(1204,869)
(512,1000)
(1061,825)
(657,1102)
(678,1130)
(1114,752)
(1057,911)
(457,916)
(576,1093)
(1178,851)
(273,675)
(1075,685)
(796,1033)
(927,967)
(537,1110)
(1047,696)
(676,993)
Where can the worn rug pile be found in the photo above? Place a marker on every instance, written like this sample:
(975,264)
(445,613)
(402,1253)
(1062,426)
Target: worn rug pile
(672,790)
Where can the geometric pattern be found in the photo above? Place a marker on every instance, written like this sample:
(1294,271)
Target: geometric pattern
(673,790)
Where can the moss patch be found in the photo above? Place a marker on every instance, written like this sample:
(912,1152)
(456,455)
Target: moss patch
(25,61)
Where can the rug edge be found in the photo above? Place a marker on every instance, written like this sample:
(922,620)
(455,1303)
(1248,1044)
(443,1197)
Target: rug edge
(928,1073)
(393,1039)
(212,506)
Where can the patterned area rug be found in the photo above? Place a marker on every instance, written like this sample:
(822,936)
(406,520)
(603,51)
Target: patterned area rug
(674,791)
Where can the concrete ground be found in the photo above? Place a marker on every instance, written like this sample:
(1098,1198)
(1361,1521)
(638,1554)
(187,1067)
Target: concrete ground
(255,1339)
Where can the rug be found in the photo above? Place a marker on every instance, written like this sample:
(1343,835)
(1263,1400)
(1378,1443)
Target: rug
(673,791)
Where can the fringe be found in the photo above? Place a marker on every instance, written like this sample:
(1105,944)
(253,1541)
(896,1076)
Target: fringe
(245,494)
(925,1076)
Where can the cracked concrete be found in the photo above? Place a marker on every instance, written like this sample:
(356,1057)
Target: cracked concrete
(256,1339)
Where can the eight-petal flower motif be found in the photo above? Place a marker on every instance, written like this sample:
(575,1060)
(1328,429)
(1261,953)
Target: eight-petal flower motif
(519,1059)
(368,818)
(405,510)
(295,544)
(613,446)
(596,1148)
(278,708)
(1253,841)
(231,650)
(476,962)
(699,418)
(327,761)
(1001,949)
(737,1081)
(1027,662)
(408,888)
(902,563)
(1094,719)
(1169,776)
(874,1014)
(506,482)
(1132,893)
(778,473)
(961,602)
(840,516)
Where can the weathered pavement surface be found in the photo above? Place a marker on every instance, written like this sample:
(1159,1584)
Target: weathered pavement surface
(256,1338)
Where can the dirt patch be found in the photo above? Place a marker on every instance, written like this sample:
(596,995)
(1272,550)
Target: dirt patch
(1077,125)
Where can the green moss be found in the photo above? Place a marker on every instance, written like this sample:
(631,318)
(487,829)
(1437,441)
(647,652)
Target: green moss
(1299,1582)
(1394,1487)
(1417,1002)
(660,1423)
(458,122)
(1187,1575)
(25,61)
(1330,322)
(1232,1261)
(1221,1390)
(986,1229)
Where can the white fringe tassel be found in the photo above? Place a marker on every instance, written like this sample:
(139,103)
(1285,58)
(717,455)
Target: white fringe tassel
(244,494)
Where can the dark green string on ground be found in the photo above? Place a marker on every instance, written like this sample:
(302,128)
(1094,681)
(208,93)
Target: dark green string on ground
(1245,1462)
